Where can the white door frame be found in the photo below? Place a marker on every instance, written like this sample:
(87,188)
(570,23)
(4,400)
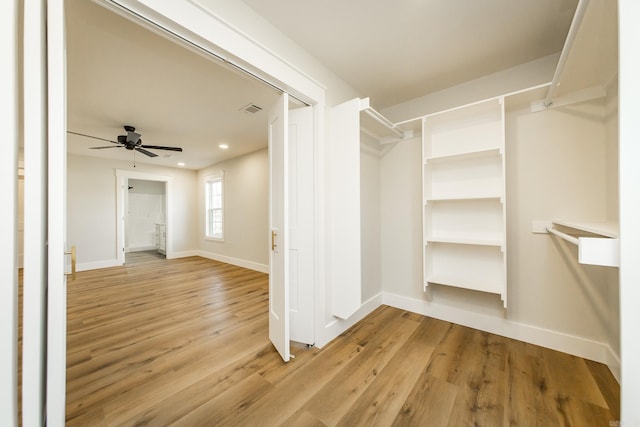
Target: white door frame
(35,280)
(8,211)
(205,30)
(122,178)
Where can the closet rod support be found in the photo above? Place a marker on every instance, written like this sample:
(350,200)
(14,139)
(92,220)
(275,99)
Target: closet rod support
(564,236)
(384,121)
(568,44)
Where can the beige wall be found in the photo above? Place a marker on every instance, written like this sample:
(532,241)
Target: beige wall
(91,207)
(370,223)
(246,209)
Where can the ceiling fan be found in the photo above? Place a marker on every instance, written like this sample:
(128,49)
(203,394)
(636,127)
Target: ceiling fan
(130,141)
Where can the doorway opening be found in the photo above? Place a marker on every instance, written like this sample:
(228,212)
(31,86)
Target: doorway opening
(145,223)
(143,207)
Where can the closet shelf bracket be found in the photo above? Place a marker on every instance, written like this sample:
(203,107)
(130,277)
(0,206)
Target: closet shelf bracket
(378,125)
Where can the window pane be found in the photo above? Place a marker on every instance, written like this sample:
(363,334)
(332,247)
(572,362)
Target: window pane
(214,204)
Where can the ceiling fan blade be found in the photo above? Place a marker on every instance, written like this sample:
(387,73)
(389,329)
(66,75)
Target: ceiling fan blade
(91,136)
(148,153)
(160,147)
(107,146)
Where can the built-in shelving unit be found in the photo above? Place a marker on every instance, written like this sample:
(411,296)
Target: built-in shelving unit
(464,214)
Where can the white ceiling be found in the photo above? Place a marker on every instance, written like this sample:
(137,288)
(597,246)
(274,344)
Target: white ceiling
(396,50)
(391,51)
(119,73)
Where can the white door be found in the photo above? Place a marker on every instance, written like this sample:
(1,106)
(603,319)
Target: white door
(301,290)
(278,227)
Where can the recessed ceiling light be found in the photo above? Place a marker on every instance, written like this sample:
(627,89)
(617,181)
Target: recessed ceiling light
(181,164)
(223,146)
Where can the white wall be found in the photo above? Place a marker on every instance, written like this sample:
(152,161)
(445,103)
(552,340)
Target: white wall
(401,219)
(91,208)
(241,16)
(246,211)
(370,223)
(555,170)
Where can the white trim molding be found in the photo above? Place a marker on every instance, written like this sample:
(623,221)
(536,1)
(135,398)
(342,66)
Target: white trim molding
(251,265)
(95,265)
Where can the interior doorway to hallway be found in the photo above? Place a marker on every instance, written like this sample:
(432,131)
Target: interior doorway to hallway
(145,225)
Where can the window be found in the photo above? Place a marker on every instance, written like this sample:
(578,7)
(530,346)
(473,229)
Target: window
(214,195)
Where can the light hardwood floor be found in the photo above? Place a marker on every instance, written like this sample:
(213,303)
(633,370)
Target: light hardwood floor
(185,342)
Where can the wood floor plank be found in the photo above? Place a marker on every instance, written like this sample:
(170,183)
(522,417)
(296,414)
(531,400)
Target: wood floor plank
(223,409)
(430,402)
(568,372)
(294,390)
(527,401)
(430,399)
(381,402)
(608,386)
(183,402)
(185,342)
(335,399)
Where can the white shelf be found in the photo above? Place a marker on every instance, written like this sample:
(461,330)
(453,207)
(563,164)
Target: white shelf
(466,155)
(600,245)
(469,197)
(467,283)
(466,241)
(604,228)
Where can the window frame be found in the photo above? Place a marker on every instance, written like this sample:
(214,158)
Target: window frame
(209,179)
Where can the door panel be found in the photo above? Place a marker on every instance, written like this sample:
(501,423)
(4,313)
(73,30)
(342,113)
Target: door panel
(57,218)
(278,226)
(301,225)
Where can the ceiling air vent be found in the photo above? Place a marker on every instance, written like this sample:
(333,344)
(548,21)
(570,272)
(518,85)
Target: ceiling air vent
(251,108)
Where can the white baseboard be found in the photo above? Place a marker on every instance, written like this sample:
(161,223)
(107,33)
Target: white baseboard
(141,249)
(614,364)
(183,254)
(578,346)
(338,326)
(263,268)
(96,265)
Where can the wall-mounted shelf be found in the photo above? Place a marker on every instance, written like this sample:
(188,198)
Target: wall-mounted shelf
(467,155)
(598,242)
